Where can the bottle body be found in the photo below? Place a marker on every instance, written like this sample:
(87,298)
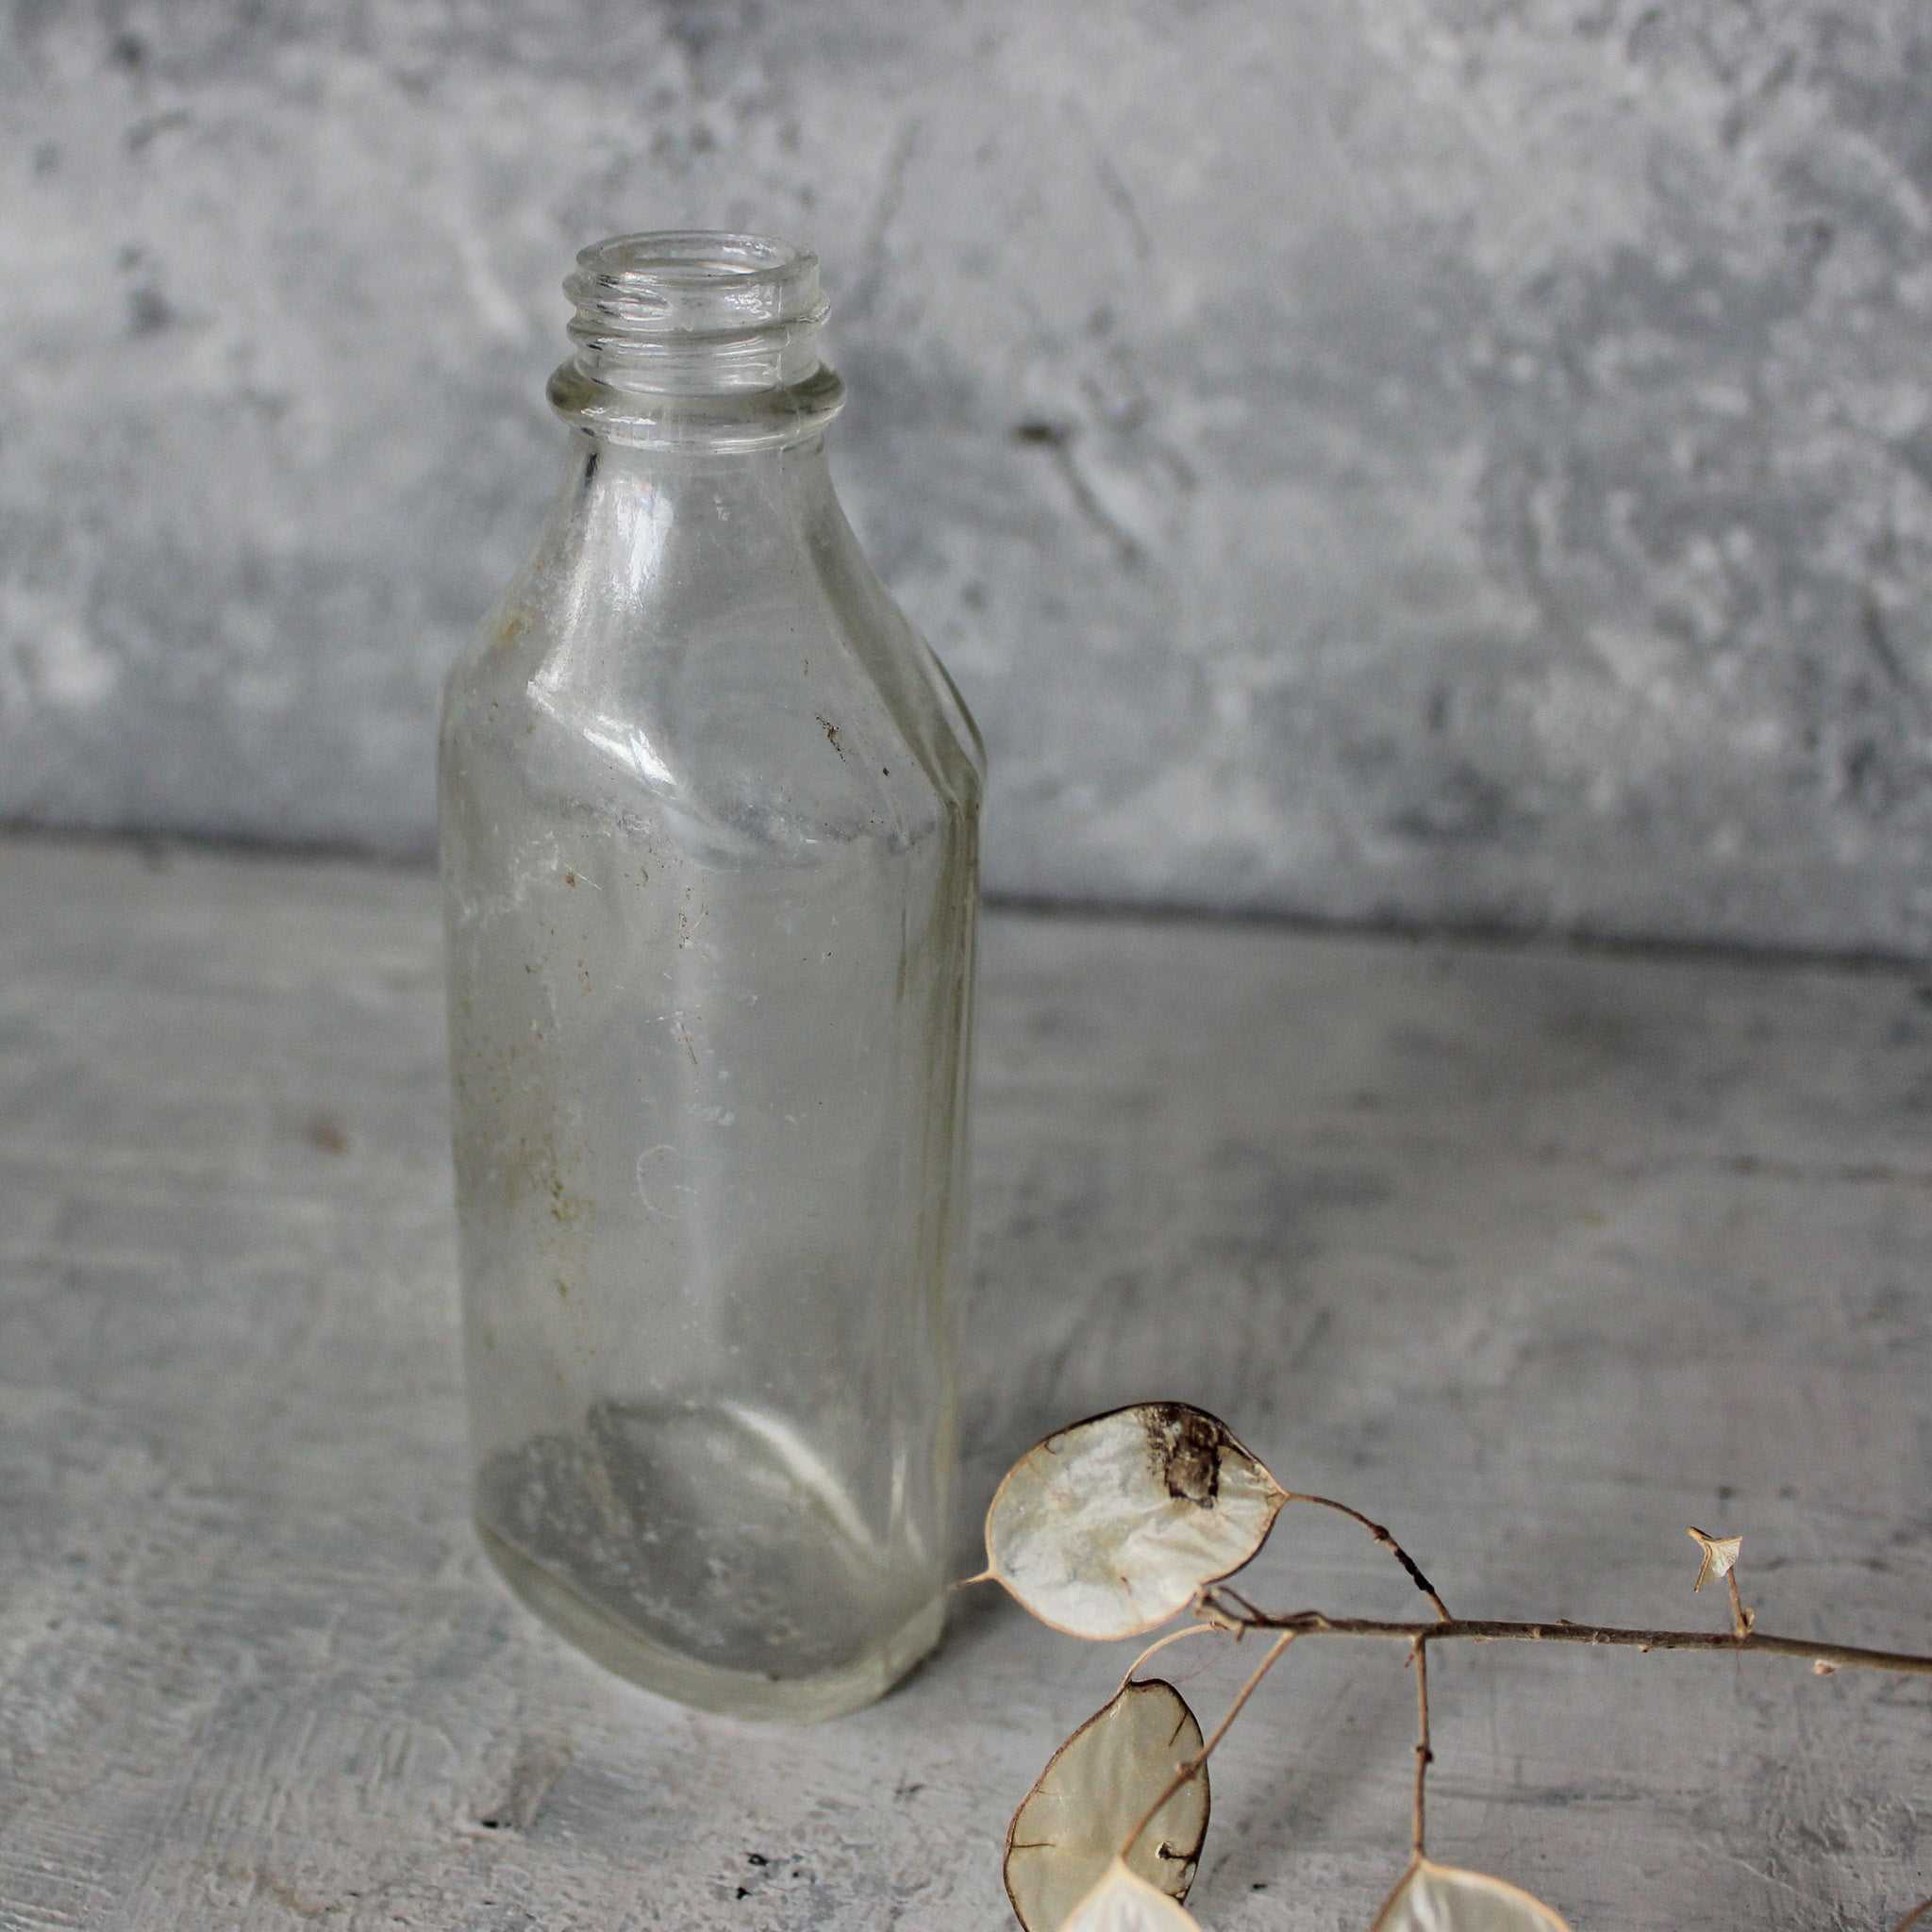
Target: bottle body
(709,817)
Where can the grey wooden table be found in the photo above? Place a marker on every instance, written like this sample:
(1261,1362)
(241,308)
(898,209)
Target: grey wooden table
(1540,1256)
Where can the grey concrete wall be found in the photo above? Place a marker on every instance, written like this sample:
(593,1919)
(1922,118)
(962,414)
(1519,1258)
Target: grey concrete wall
(1400,459)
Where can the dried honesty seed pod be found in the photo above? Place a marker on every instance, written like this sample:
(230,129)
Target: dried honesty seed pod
(1124,1903)
(1109,1527)
(1073,1823)
(1720,1557)
(1440,1898)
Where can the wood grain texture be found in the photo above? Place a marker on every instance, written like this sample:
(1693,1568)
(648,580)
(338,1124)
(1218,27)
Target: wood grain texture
(1537,1256)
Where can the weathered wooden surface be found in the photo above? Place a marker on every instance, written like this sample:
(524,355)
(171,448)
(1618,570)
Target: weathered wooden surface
(1540,1256)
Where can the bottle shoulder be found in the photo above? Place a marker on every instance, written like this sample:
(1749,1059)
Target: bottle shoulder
(765,718)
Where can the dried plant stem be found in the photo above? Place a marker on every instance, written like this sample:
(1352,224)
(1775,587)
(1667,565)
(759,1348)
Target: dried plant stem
(1741,1619)
(1912,1917)
(1423,1756)
(1488,1630)
(1200,1757)
(1161,1643)
(1382,1537)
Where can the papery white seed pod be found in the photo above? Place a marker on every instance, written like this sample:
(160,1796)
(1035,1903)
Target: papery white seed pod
(1110,1527)
(1075,1821)
(1122,1902)
(1441,1898)
(1720,1557)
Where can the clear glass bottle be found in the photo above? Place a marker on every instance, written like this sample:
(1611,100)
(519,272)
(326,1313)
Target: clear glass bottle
(710,820)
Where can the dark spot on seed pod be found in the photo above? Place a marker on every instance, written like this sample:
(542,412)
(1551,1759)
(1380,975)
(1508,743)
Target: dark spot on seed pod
(1186,1448)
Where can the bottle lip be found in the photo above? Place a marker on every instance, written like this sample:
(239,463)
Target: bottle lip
(694,337)
(696,281)
(688,312)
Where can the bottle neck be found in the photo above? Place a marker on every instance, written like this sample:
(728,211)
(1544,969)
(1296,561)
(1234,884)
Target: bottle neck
(696,340)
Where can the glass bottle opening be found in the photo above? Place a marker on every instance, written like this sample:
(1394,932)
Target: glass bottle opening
(685,312)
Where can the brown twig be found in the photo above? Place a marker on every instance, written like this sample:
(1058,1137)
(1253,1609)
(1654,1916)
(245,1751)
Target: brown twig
(1912,1917)
(1488,1630)
(1741,1619)
(1200,1757)
(1161,1644)
(1382,1537)
(1423,1756)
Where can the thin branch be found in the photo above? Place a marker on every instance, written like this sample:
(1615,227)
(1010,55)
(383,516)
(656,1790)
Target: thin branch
(1912,1917)
(1172,1636)
(1200,1757)
(1423,1756)
(1741,1619)
(1210,1604)
(1388,1543)
(1486,1630)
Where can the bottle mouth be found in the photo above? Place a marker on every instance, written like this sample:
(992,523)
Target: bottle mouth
(687,312)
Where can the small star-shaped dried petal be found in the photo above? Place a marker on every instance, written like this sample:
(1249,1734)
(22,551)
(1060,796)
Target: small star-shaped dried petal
(1720,1557)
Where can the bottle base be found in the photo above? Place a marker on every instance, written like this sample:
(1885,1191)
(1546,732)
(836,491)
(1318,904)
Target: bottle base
(708,1687)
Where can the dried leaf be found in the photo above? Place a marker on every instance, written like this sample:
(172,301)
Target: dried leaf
(1075,1821)
(1124,1903)
(1720,1557)
(1440,1898)
(1110,1526)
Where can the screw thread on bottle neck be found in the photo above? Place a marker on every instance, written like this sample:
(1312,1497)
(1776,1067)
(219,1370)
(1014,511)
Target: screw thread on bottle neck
(690,313)
(688,339)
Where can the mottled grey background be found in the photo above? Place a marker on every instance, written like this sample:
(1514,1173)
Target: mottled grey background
(1400,459)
